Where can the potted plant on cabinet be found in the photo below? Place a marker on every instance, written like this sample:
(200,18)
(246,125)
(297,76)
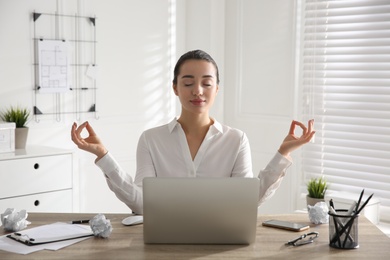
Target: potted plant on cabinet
(19,116)
(316,189)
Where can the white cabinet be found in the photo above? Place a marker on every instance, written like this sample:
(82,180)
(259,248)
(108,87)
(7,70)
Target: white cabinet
(38,179)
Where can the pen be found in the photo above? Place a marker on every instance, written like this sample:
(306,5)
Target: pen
(360,199)
(83,221)
(331,203)
(364,204)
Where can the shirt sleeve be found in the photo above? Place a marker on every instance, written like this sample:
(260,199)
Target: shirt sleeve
(121,183)
(272,175)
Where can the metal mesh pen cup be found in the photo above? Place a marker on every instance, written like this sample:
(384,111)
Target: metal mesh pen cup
(343,230)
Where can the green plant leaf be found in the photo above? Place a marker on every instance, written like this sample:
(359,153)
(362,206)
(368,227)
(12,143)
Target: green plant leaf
(317,187)
(17,115)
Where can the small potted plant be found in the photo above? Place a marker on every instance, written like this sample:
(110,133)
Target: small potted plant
(316,189)
(19,116)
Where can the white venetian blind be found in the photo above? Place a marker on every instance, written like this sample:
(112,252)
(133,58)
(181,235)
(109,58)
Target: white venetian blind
(345,76)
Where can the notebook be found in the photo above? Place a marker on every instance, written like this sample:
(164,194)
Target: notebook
(200,210)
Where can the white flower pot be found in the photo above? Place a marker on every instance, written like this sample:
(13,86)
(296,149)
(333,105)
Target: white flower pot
(312,201)
(21,134)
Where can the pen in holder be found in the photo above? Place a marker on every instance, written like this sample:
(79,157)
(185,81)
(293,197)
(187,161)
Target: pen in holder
(343,229)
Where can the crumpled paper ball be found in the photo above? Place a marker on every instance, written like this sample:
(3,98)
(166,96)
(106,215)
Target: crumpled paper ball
(13,220)
(318,214)
(101,227)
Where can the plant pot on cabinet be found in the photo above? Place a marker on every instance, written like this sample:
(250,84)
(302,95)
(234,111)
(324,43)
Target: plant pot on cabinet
(21,134)
(312,201)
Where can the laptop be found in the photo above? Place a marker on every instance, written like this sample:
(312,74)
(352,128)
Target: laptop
(200,210)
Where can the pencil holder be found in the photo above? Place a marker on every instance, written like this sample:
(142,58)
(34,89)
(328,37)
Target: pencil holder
(343,230)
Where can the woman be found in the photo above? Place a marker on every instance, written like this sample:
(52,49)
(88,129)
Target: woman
(194,144)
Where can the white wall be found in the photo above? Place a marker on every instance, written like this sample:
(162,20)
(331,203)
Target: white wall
(134,80)
(135,69)
(259,56)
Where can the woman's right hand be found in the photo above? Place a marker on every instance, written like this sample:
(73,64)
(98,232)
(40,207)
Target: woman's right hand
(91,143)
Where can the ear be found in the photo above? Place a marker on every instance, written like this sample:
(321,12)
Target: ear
(174,86)
(216,91)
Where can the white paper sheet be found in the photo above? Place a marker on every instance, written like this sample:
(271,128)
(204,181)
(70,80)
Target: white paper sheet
(54,66)
(92,71)
(46,231)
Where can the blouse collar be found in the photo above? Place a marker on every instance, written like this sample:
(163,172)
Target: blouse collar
(216,127)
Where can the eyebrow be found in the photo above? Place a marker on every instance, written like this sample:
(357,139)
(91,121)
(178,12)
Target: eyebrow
(191,76)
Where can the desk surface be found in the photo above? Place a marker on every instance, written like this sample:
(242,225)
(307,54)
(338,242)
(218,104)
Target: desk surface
(126,242)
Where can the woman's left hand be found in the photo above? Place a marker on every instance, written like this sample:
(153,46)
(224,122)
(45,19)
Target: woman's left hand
(293,142)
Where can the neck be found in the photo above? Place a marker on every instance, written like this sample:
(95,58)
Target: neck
(195,123)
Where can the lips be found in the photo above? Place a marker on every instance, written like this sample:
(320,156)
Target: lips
(197,102)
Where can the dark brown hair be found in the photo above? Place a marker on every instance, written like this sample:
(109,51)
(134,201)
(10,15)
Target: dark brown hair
(193,55)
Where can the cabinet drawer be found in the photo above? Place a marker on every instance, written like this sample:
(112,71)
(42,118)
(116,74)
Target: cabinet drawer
(35,175)
(56,201)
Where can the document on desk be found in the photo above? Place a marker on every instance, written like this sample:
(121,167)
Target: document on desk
(53,232)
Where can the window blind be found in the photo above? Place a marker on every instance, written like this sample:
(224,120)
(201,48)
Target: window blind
(345,78)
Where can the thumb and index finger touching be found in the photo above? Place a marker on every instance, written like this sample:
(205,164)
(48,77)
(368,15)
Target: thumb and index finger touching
(307,132)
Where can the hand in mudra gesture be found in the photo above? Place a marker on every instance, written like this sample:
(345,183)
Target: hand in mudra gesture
(91,143)
(292,141)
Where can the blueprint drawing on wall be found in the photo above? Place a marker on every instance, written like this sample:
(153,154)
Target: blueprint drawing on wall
(54,66)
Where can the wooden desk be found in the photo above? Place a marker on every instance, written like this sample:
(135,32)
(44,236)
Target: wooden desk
(126,242)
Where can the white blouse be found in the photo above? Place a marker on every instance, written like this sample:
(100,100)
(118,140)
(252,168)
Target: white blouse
(163,151)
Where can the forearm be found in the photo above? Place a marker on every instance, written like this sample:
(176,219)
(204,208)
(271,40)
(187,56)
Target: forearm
(272,175)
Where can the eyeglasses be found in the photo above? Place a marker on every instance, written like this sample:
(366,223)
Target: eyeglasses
(304,239)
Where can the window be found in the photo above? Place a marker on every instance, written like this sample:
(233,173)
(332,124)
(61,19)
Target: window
(345,78)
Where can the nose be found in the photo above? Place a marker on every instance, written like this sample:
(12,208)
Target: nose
(197,90)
